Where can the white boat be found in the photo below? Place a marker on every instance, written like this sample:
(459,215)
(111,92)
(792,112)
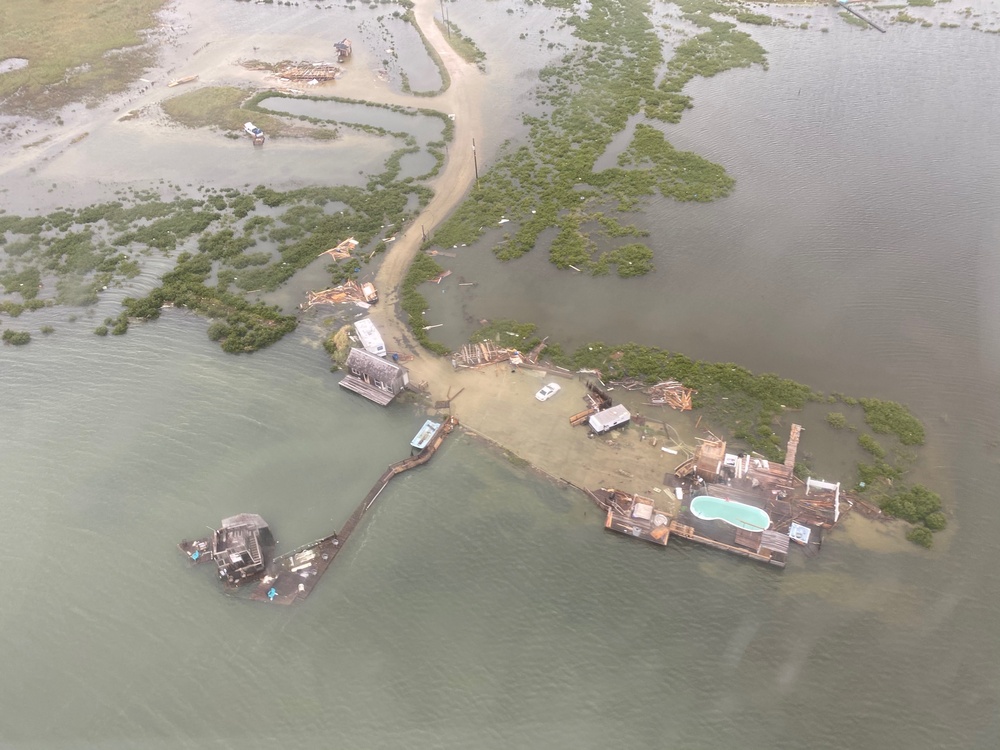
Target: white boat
(370,338)
(254,132)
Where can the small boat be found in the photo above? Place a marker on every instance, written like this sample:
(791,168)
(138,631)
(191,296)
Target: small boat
(254,132)
(179,81)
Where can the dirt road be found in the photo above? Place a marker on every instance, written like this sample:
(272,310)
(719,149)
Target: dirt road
(464,100)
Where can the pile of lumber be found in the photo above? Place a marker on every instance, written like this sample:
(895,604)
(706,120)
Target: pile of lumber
(628,383)
(441,277)
(479,354)
(686,468)
(343,250)
(348,292)
(308,71)
(805,509)
(535,353)
(673,394)
(596,397)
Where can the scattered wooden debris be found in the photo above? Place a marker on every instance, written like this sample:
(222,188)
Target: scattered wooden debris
(181,81)
(350,291)
(344,49)
(441,276)
(629,383)
(308,71)
(597,398)
(446,404)
(343,250)
(535,353)
(673,394)
(479,354)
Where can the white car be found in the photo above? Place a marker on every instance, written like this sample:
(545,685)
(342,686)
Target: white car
(548,392)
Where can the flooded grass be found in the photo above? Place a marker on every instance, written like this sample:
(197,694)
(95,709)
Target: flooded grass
(76,50)
(432,53)
(463,45)
(610,77)
(227,108)
(72,255)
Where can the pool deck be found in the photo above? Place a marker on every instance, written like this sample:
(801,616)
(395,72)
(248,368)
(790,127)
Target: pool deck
(733,512)
(627,514)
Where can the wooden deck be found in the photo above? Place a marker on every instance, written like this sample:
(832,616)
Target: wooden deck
(657,519)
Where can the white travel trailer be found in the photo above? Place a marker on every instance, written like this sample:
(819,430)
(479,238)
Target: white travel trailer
(608,419)
(370,338)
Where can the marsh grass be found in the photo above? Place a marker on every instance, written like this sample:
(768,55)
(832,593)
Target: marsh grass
(550,182)
(433,54)
(220,107)
(76,50)
(463,45)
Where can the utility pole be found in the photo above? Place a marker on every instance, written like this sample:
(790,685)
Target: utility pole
(475,162)
(444,19)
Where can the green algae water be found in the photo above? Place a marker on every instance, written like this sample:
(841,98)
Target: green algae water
(480,607)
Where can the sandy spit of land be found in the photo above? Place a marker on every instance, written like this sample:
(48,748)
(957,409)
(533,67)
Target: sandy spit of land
(496,403)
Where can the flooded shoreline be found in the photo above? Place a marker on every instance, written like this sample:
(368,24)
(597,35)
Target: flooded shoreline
(483,605)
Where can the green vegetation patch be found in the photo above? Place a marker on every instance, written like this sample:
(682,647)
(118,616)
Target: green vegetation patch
(409,17)
(463,45)
(853,20)
(507,333)
(888,417)
(634,259)
(220,107)
(720,48)
(76,50)
(734,397)
(413,302)
(16,338)
(550,182)
(89,249)
(871,445)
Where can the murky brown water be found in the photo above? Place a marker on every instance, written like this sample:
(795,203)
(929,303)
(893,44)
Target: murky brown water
(479,607)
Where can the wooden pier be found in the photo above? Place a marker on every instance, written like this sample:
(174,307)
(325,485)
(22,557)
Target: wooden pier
(843,4)
(293,575)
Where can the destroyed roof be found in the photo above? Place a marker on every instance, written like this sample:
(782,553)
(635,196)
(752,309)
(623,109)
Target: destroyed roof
(372,365)
(244,519)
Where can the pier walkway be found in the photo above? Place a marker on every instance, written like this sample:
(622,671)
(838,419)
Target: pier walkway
(844,4)
(292,576)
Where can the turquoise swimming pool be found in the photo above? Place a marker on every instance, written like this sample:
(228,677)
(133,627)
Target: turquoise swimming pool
(740,515)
